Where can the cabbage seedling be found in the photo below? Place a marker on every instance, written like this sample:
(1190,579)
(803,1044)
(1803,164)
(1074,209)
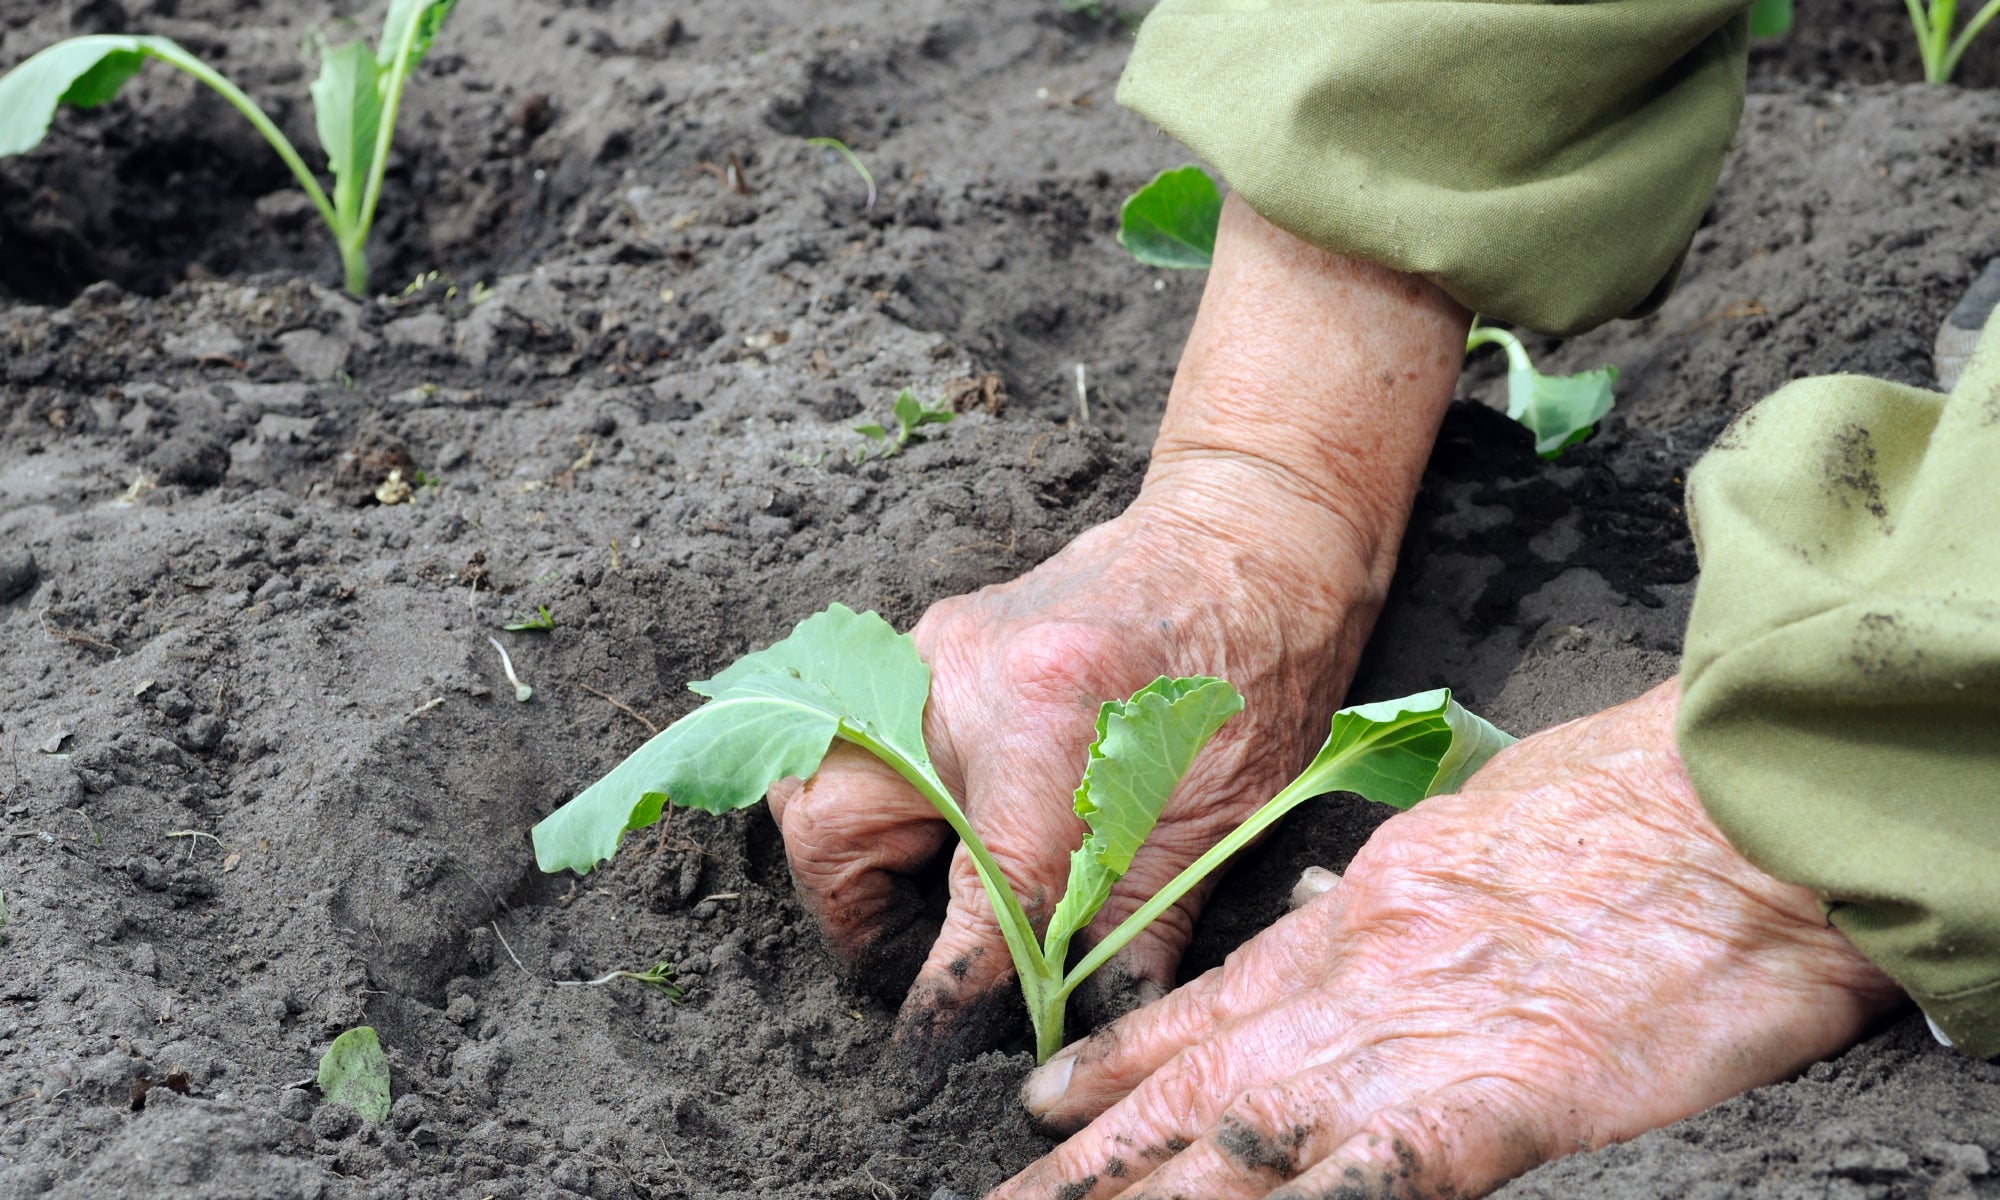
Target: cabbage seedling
(355,100)
(1171,223)
(1941,51)
(850,676)
(911,414)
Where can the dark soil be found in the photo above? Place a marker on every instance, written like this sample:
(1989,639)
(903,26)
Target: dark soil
(263,778)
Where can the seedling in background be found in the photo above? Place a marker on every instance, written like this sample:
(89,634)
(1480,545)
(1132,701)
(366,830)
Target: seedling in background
(1171,223)
(911,414)
(659,977)
(539,621)
(355,1072)
(355,101)
(1941,51)
(850,676)
(1770,18)
(853,160)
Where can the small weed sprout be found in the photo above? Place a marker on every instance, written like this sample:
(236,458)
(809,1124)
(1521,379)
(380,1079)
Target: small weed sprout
(910,415)
(853,160)
(847,676)
(522,692)
(355,102)
(539,621)
(659,977)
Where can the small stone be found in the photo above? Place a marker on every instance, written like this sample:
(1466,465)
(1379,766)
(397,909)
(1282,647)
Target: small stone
(462,1010)
(148,873)
(334,1121)
(295,1105)
(408,1112)
(313,354)
(174,704)
(202,734)
(19,573)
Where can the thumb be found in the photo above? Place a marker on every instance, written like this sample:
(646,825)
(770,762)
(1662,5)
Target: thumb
(853,835)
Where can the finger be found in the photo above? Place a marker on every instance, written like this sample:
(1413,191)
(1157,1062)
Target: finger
(852,833)
(1294,955)
(1144,970)
(1464,1141)
(1179,1103)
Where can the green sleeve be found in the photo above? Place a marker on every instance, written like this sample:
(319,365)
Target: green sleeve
(1545,163)
(1840,712)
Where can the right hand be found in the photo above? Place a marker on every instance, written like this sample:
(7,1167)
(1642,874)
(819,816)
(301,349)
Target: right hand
(1258,551)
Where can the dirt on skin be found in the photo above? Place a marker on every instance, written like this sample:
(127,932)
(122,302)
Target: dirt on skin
(264,778)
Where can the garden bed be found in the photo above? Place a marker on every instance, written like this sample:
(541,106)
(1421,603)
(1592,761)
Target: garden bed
(264,779)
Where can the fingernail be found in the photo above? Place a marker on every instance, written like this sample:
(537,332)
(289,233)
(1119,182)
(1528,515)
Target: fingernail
(1044,1089)
(1313,882)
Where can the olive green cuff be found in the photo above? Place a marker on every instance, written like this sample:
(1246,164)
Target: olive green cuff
(1840,713)
(1545,163)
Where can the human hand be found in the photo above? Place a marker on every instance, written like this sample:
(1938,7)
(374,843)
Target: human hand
(1258,551)
(1564,955)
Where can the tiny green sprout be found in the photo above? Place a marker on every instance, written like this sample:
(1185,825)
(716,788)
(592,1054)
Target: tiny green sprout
(853,160)
(539,621)
(911,414)
(850,677)
(1172,222)
(659,977)
(355,102)
(1941,51)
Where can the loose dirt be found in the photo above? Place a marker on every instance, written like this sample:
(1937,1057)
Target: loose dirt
(263,778)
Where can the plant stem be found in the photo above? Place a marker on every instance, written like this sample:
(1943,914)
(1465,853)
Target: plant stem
(171,54)
(1964,39)
(1040,984)
(354,247)
(1517,354)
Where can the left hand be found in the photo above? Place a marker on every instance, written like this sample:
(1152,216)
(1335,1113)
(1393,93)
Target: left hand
(1564,955)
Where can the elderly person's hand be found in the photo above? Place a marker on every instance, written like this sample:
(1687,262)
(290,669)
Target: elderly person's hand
(1564,955)
(1258,550)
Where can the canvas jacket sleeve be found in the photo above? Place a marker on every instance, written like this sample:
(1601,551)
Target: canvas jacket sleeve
(1840,714)
(1545,163)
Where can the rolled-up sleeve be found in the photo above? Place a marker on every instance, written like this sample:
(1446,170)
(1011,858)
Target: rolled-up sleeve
(1545,163)
(1840,712)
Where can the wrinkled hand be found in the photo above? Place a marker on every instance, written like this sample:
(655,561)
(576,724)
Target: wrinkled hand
(1259,549)
(1562,956)
(1019,672)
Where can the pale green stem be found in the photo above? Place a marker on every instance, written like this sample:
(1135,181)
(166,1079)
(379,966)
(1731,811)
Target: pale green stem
(1039,982)
(1964,39)
(354,248)
(1300,790)
(174,56)
(1486,335)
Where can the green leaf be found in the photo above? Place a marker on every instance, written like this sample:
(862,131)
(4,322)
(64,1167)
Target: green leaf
(347,105)
(907,411)
(1171,222)
(771,715)
(1770,18)
(1143,747)
(872,432)
(355,1072)
(85,71)
(430,16)
(1560,410)
(1397,752)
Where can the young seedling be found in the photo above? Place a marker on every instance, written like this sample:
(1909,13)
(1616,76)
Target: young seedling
(851,677)
(911,414)
(539,621)
(1171,223)
(659,977)
(522,692)
(853,160)
(1941,51)
(1560,410)
(355,1072)
(355,101)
